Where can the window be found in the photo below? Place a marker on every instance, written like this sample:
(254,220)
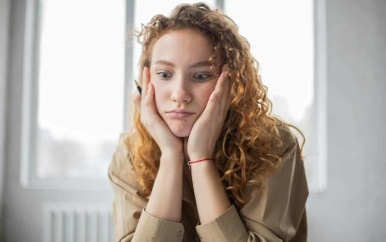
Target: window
(281,34)
(77,80)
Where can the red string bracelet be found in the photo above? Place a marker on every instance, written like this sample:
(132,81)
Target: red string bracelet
(196,161)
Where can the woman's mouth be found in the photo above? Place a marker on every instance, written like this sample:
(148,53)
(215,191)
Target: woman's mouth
(179,114)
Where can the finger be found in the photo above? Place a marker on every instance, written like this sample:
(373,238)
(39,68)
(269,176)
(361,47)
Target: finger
(149,104)
(217,96)
(222,80)
(223,89)
(145,81)
(146,105)
(227,87)
(148,111)
(149,100)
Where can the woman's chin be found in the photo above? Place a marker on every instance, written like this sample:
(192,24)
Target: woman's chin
(181,132)
(180,128)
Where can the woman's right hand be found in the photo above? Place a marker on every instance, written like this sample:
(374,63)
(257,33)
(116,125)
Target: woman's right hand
(166,140)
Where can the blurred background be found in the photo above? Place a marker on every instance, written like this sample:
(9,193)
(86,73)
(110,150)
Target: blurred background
(66,77)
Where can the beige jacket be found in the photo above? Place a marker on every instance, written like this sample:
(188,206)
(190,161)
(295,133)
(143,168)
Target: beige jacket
(275,212)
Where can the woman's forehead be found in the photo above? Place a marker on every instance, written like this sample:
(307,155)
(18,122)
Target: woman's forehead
(181,46)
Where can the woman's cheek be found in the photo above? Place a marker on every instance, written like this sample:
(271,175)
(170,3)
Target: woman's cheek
(159,97)
(207,92)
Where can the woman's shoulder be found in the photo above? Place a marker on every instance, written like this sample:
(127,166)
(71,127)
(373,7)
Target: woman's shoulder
(121,153)
(121,172)
(288,139)
(120,164)
(283,194)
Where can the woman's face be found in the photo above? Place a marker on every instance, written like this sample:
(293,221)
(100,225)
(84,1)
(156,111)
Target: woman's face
(182,77)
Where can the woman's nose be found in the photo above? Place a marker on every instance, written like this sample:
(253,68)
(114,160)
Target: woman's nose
(181,92)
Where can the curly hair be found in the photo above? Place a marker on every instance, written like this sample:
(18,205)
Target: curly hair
(247,149)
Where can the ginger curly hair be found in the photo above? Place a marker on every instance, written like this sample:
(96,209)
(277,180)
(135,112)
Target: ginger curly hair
(247,149)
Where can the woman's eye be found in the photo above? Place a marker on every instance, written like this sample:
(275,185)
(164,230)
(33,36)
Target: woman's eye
(164,75)
(201,76)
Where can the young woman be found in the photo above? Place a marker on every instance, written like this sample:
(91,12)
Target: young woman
(205,160)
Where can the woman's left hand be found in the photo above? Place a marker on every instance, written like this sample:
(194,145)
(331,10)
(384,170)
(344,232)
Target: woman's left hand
(207,128)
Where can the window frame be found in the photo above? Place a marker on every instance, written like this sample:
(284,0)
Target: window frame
(320,94)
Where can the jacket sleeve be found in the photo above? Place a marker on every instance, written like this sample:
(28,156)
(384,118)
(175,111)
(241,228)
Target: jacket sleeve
(275,212)
(131,221)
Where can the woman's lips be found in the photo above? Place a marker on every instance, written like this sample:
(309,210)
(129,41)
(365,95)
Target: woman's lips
(179,114)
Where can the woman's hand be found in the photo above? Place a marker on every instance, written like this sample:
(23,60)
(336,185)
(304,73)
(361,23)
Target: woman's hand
(207,128)
(167,142)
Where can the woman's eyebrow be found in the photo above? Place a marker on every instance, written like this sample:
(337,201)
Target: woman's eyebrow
(164,62)
(197,64)
(202,63)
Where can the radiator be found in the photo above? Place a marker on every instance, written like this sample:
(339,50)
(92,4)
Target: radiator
(77,222)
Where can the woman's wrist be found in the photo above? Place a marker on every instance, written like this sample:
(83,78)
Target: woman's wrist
(204,167)
(200,156)
(171,159)
(194,162)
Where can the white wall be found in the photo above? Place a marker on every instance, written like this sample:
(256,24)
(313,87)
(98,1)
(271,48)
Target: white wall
(4,27)
(353,206)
